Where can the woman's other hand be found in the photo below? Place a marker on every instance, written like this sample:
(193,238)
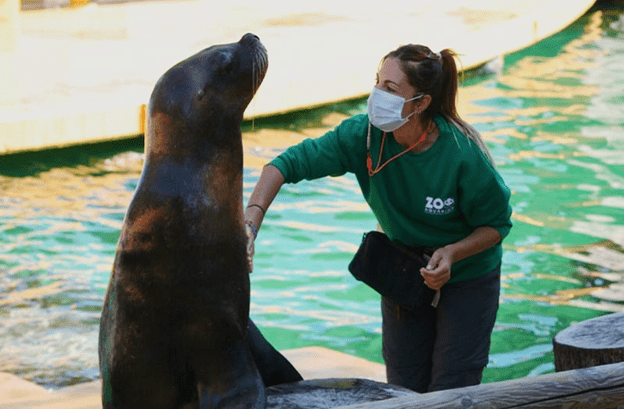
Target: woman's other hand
(252,232)
(438,270)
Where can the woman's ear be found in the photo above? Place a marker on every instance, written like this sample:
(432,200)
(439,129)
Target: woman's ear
(423,103)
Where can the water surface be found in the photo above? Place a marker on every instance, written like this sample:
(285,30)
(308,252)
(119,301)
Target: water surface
(552,117)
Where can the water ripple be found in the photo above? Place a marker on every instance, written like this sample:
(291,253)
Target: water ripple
(552,117)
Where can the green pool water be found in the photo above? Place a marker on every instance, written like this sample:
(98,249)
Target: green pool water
(553,118)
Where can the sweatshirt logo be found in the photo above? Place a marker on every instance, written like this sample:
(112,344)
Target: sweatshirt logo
(439,206)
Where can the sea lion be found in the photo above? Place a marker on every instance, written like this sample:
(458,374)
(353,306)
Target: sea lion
(173,331)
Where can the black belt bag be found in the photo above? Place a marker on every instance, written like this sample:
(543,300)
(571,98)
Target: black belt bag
(394,271)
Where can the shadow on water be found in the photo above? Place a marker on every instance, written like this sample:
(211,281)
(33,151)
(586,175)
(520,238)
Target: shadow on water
(33,163)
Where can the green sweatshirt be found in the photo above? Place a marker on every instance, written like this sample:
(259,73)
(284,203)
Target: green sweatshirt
(433,198)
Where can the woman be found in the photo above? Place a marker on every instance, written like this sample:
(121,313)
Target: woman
(430,181)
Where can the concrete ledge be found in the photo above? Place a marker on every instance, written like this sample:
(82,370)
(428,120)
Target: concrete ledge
(71,128)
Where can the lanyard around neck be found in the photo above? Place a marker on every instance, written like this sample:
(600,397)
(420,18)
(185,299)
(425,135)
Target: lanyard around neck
(378,168)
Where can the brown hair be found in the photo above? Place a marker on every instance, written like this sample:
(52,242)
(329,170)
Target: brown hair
(435,74)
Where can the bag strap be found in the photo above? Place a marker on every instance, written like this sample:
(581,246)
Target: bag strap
(414,252)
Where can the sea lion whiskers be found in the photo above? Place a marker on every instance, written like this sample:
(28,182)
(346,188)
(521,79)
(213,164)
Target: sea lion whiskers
(259,67)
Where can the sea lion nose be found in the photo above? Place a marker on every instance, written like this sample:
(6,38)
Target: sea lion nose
(249,37)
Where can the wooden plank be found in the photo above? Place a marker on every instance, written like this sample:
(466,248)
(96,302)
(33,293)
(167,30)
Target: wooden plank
(596,388)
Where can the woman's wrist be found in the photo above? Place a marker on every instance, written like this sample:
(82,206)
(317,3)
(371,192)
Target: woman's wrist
(257,206)
(254,214)
(481,239)
(271,179)
(451,252)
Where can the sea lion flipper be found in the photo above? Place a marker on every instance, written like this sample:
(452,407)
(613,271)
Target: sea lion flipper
(274,368)
(239,384)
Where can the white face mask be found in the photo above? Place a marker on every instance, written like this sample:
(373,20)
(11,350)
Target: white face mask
(385,110)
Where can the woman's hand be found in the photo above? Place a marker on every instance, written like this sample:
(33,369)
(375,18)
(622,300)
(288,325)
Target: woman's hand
(252,232)
(270,182)
(438,270)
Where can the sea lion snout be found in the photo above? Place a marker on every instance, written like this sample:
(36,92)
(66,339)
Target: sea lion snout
(249,37)
(260,58)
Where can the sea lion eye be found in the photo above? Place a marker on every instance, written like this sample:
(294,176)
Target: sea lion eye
(200,94)
(228,67)
(226,63)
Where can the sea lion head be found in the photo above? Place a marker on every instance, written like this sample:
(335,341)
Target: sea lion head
(206,92)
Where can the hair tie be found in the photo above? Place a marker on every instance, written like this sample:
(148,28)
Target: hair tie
(434,56)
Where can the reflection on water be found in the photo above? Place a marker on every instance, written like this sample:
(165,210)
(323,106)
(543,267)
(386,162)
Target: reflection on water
(552,118)
(59,223)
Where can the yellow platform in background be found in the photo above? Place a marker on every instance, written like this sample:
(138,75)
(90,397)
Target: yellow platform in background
(84,74)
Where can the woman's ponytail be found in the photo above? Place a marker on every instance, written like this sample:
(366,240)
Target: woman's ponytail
(448,106)
(449,84)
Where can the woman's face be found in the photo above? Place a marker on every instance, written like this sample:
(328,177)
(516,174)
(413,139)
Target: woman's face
(391,78)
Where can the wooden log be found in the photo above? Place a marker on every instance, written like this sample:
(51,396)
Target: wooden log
(330,393)
(599,387)
(593,342)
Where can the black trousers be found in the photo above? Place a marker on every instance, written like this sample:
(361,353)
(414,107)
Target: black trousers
(445,347)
